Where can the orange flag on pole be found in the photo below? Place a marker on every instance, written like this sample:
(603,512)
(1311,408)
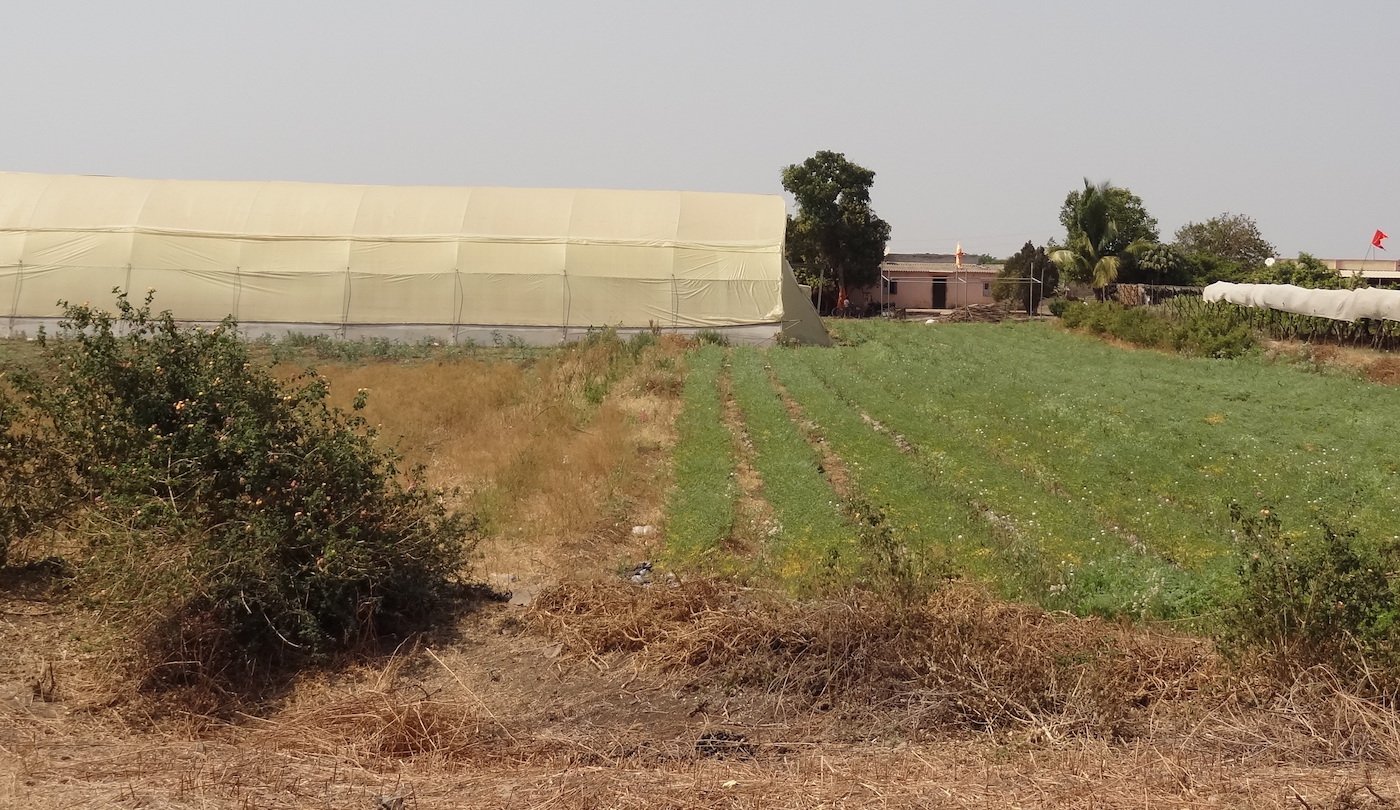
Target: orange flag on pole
(1378,238)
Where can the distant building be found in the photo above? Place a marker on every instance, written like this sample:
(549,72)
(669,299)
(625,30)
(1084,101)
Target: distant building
(1379,272)
(927,281)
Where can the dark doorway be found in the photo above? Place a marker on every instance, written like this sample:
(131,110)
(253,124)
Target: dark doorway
(940,293)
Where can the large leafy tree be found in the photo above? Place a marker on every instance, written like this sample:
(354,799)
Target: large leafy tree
(1231,238)
(1131,221)
(1163,264)
(1305,271)
(1098,247)
(836,234)
(1031,262)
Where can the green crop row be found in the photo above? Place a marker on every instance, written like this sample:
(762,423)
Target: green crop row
(1165,443)
(811,543)
(1027,536)
(935,534)
(700,509)
(1063,470)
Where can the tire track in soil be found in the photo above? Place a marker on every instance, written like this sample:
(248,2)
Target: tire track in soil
(833,467)
(753,515)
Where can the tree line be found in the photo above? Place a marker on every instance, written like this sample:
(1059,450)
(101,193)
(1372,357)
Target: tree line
(1111,238)
(836,240)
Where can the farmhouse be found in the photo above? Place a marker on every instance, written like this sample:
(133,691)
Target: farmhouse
(927,281)
(450,264)
(1377,272)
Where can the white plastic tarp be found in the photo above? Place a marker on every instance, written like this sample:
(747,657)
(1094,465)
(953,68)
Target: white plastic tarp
(1338,305)
(414,261)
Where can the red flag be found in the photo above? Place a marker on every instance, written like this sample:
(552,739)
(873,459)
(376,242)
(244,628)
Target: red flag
(1376,240)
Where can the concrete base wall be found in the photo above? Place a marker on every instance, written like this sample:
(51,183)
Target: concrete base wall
(464,334)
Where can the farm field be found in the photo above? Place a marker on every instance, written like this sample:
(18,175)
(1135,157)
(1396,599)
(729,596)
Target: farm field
(1062,470)
(811,505)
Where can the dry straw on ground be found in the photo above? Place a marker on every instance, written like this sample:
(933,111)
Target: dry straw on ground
(905,690)
(960,660)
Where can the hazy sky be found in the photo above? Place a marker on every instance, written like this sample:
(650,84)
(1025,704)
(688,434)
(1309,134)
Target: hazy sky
(978,117)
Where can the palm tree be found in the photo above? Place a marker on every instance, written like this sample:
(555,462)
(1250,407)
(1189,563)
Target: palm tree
(1092,254)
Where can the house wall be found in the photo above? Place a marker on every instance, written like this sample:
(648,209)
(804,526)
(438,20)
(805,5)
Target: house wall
(1382,272)
(913,288)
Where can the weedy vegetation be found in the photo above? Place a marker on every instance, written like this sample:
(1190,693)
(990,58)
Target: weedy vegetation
(232,523)
(1319,598)
(1192,326)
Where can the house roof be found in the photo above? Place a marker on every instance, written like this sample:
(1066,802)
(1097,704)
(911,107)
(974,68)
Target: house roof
(922,258)
(938,268)
(934,263)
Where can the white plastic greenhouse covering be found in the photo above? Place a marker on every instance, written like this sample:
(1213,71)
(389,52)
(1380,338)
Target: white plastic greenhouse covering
(451,264)
(1339,305)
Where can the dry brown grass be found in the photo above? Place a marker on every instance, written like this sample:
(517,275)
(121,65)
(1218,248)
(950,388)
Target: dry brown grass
(176,775)
(422,729)
(437,731)
(1312,716)
(386,720)
(558,457)
(962,660)
(454,417)
(1372,364)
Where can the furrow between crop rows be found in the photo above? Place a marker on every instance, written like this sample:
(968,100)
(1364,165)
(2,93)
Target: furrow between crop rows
(1053,551)
(811,542)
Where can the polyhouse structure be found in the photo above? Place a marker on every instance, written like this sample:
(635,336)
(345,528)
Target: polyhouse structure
(404,262)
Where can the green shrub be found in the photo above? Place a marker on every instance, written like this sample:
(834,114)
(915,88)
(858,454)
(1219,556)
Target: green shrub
(1074,313)
(1189,326)
(1209,329)
(1378,334)
(1139,326)
(639,343)
(1316,599)
(241,524)
(1058,307)
(892,566)
(1204,340)
(1305,271)
(1101,317)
